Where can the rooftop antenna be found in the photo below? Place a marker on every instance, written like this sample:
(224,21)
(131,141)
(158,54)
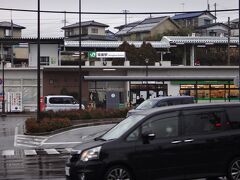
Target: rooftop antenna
(125,12)
(208,5)
(183,4)
(215,11)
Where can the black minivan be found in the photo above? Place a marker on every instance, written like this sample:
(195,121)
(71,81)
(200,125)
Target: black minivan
(160,102)
(175,142)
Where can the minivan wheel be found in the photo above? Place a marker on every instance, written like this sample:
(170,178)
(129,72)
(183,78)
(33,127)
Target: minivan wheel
(234,170)
(118,173)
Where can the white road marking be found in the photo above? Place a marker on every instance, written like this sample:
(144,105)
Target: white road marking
(15,136)
(61,143)
(51,151)
(8,153)
(69,149)
(30,152)
(28,141)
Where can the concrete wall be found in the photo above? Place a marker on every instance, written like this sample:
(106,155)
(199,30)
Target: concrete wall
(22,80)
(21,52)
(49,50)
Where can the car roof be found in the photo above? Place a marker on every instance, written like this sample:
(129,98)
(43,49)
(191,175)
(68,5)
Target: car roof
(171,97)
(185,107)
(58,96)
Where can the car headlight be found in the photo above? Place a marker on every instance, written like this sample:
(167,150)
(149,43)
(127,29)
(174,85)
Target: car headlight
(91,154)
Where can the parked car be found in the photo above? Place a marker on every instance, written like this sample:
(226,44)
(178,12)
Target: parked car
(60,102)
(176,142)
(160,102)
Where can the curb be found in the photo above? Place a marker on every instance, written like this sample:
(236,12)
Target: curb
(100,122)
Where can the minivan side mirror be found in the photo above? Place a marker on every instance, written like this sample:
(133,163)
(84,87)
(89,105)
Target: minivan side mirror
(148,136)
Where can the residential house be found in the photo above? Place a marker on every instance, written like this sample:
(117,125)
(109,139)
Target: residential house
(90,30)
(234,27)
(215,29)
(139,30)
(9,30)
(194,20)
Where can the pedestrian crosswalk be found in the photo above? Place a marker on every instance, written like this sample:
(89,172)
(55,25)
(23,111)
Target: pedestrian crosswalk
(35,152)
(29,141)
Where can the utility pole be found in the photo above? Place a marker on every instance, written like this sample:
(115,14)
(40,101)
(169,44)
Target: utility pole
(229,35)
(80,54)
(65,19)
(38,63)
(215,12)
(64,23)
(125,12)
(11,37)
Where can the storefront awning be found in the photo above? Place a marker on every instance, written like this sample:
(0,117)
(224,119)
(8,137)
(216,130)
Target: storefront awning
(158,78)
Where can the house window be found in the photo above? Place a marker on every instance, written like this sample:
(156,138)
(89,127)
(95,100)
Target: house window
(94,30)
(84,31)
(8,32)
(44,60)
(69,32)
(207,21)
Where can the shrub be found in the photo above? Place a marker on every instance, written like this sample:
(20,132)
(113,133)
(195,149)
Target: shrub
(98,113)
(46,124)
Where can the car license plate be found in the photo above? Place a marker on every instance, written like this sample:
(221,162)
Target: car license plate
(67,171)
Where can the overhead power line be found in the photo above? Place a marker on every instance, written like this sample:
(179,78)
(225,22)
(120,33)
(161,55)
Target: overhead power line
(75,12)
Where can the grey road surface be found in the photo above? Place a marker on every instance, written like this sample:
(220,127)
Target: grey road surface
(8,127)
(71,138)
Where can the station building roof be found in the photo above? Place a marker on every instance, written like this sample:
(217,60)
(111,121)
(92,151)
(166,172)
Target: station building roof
(114,44)
(208,40)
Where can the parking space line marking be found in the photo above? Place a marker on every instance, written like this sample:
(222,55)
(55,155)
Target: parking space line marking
(51,151)
(8,153)
(28,152)
(61,143)
(68,149)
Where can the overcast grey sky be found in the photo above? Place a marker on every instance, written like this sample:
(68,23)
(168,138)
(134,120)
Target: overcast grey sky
(51,23)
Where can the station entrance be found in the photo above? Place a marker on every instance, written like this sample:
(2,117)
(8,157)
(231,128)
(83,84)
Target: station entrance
(147,90)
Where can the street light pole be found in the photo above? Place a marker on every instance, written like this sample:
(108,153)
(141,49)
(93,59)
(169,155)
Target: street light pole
(147,61)
(80,55)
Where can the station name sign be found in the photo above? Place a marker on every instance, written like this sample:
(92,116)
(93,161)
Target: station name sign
(106,54)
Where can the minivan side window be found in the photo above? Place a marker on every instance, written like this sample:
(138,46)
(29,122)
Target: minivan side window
(162,103)
(234,119)
(187,101)
(56,100)
(67,100)
(162,127)
(203,122)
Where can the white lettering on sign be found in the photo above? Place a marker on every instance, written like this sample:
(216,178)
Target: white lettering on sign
(117,54)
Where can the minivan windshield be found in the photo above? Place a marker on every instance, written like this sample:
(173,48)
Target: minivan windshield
(148,104)
(122,127)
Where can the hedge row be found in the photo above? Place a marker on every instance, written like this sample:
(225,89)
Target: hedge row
(86,114)
(46,124)
(50,121)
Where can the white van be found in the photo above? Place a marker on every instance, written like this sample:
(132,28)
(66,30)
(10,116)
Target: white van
(60,102)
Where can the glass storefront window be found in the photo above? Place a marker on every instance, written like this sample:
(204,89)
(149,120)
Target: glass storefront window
(213,92)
